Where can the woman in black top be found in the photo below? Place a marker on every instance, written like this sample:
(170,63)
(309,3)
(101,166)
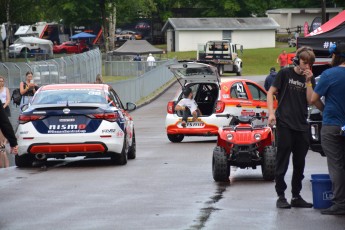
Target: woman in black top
(27,88)
(7,130)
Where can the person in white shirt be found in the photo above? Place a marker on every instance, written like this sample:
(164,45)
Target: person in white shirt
(151,61)
(188,106)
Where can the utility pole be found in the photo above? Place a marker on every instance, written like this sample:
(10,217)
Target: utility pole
(323,10)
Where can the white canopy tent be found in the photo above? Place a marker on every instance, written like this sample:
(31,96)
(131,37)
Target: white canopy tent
(43,44)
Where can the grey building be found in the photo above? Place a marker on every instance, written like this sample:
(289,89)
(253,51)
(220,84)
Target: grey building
(184,34)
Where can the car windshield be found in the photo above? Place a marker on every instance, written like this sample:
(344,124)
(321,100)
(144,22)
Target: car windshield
(70,96)
(218,46)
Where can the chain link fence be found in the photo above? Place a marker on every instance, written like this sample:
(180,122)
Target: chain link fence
(144,79)
(79,68)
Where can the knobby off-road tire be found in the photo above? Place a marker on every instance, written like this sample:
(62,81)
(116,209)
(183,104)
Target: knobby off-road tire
(268,163)
(25,160)
(175,138)
(132,152)
(220,165)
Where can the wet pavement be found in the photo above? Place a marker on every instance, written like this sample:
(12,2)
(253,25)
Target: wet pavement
(168,186)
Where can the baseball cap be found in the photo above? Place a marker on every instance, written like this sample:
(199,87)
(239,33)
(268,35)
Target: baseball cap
(272,69)
(337,48)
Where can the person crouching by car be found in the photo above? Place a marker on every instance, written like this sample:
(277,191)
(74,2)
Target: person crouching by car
(331,85)
(188,106)
(27,88)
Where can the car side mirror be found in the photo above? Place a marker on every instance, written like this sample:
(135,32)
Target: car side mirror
(130,106)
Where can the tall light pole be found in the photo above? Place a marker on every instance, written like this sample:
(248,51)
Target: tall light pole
(323,11)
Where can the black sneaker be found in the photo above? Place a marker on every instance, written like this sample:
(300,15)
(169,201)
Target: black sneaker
(334,210)
(298,202)
(282,203)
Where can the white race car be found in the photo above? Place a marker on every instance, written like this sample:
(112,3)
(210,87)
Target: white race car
(213,97)
(69,120)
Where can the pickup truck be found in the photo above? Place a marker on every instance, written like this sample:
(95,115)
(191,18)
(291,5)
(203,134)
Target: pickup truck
(22,50)
(222,54)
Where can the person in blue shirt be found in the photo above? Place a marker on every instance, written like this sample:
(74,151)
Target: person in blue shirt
(331,85)
(270,78)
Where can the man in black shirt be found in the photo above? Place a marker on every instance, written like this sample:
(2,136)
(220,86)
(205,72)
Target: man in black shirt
(7,130)
(294,88)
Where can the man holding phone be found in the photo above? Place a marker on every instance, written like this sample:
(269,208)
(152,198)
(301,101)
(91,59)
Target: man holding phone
(294,87)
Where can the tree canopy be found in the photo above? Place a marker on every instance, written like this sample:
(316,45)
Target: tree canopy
(113,13)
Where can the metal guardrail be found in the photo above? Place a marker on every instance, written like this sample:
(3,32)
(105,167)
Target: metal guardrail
(135,89)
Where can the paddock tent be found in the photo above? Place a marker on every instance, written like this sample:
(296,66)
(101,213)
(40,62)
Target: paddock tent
(44,44)
(321,38)
(133,47)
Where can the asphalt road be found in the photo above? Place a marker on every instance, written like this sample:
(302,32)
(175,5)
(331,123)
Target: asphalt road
(168,186)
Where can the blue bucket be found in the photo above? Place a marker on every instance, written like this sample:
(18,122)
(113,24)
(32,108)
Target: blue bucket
(322,191)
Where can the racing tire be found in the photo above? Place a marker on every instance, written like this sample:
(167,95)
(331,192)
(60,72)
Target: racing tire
(121,159)
(63,51)
(236,68)
(25,160)
(132,152)
(268,163)
(175,138)
(220,165)
(24,52)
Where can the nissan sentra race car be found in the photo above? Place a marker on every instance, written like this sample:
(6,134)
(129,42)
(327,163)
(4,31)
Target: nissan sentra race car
(69,120)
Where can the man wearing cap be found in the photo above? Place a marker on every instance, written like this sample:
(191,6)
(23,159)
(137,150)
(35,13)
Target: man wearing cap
(188,106)
(331,85)
(270,78)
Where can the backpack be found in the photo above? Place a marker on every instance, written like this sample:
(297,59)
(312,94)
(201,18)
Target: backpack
(16,97)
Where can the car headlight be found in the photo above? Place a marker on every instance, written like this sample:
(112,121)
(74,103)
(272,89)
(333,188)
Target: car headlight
(230,136)
(257,136)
